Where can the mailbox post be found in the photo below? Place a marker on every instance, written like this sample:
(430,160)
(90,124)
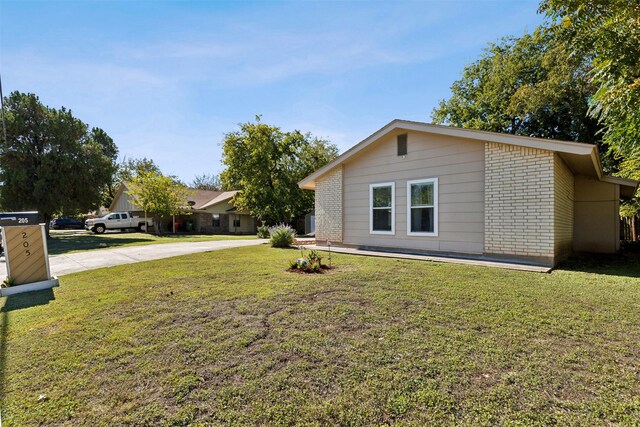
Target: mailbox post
(26,254)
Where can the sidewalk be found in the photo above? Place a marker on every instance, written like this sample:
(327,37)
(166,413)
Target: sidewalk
(99,258)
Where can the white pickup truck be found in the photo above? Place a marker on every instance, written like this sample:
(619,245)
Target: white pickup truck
(117,221)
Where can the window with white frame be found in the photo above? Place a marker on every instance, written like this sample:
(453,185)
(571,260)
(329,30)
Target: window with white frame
(382,208)
(422,207)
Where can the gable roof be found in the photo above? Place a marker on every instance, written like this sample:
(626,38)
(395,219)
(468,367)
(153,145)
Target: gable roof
(202,197)
(582,158)
(199,197)
(222,197)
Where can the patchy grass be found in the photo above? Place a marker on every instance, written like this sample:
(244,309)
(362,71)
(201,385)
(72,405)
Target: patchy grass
(76,241)
(231,338)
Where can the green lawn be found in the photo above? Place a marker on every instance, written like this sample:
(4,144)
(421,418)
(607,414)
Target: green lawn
(230,338)
(74,241)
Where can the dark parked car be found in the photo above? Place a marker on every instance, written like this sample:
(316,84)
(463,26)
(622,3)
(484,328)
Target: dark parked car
(65,223)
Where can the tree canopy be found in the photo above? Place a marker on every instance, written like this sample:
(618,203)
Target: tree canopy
(575,78)
(266,164)
(524,86)
(207,182)
(124,172)
(129,168)
(158,194)
(608,33)
(51,161)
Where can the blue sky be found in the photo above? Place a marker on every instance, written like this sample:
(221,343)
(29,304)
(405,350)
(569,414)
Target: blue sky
(167,80)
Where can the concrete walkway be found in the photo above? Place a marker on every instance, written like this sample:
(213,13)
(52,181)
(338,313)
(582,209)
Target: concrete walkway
(99,258)
(450,259)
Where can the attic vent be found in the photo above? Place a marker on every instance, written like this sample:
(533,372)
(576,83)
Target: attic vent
(402,145)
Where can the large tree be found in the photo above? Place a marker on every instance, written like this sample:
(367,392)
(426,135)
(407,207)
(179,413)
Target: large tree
(540,85)
(51,162)
(607,32)
(159,195)
(124,172)
(207,182)
(266,164)
(524,86)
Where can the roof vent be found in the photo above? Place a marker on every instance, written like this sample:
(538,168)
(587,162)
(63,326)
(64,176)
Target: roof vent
(402,144)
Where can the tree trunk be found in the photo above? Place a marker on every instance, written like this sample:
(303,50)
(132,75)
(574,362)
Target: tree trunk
(173,218)
(46,218)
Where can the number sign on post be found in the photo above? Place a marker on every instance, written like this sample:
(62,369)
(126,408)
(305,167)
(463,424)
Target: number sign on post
(26,253)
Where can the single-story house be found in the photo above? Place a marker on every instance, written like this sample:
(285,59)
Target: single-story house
(420,187)
(210,212)
(226,218)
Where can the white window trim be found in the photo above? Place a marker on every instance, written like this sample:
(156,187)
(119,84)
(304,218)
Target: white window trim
(393,208)
(435,207)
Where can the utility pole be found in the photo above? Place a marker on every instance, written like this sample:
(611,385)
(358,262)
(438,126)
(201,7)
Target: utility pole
(4,127)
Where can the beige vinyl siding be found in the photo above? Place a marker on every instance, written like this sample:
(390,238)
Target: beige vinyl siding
(563,208)
(220,208)
(123,204)
(247,224)
(459,166)
(596,225)
(225,210)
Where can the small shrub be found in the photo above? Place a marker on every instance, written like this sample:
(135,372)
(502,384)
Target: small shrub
(263,231)
(314,258)
(8,282)
(282,236)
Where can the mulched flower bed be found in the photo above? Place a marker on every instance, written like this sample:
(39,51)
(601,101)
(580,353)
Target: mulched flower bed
(309,270)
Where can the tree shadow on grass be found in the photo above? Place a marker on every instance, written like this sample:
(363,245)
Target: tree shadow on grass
(64,243)
(626,263)
(11,303)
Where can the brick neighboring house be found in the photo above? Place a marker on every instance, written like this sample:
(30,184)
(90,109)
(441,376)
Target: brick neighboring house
(429,188)
(226,218)
(205,217)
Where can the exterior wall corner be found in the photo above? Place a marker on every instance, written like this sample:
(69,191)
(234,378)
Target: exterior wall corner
(329,205)
(519,202)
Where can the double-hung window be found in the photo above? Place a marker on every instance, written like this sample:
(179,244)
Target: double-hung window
(382,208)
(422,207)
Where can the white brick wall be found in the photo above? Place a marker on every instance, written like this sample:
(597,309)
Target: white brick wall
(329,206)
(519,201)
(563,208)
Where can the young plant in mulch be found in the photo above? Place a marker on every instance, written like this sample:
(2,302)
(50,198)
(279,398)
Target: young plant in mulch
(7,282)
(309,265)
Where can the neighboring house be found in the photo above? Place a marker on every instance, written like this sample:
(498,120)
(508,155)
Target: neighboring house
(122,202)
(205,215)
(421,187)
(225,217)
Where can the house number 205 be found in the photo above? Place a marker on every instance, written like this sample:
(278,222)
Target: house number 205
(25,244)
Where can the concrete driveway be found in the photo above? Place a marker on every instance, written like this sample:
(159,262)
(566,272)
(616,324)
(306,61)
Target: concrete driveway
(99,258)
